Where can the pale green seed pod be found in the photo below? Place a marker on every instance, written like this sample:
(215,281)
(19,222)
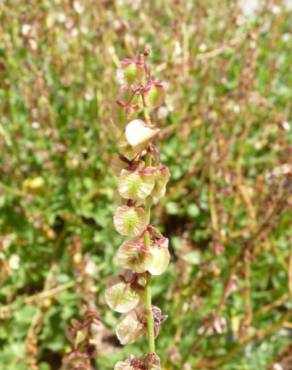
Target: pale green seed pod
(121,297)
(134,255)
(162,178)
(130,221)
(136,185)
(160,258)
(124,365)
(131,326)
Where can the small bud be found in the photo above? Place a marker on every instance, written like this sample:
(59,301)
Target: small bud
(81,335)
(130,221)
(133,72)
(155,94)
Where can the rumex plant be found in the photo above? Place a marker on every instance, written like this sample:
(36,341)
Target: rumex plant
(142,182)
(83,344)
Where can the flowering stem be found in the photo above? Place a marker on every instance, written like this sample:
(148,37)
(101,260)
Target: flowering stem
(142,180)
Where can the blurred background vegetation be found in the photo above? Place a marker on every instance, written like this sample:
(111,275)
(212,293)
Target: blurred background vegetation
(226,137)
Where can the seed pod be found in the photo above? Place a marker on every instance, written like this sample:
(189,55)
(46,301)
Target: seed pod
(131,326)
(136,185)
(130,221)
(134,255)
(162,178)
(124,365)
(160,257)
(132,363)
(121,297)
(129,151)
(138,133)
(152,361)
(149,362)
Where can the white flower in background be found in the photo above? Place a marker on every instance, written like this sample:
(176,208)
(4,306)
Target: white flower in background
(249,7)
(78,7)
(14,262)
(288,4)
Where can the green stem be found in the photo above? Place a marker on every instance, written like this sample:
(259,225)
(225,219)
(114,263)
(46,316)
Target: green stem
(145,110)
(148,296)
(148,203)
(149,316)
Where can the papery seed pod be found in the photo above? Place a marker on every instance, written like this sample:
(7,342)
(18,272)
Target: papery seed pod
(136,185)
(134,255)
(123,365)
(152,361)
(160,257)
(155,94)
(121,297)
(138,133)
(149,362)
(132,363)
(127,150)
(158,319)
(130,221)
(131,326)
(76,361)
(139,257)
(162,178)
(159,251)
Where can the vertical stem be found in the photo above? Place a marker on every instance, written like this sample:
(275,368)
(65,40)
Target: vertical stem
(290,272)
(145,110)
(148,296)
(149,316)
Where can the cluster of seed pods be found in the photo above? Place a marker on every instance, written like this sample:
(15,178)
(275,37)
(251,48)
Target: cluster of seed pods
(142,182)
